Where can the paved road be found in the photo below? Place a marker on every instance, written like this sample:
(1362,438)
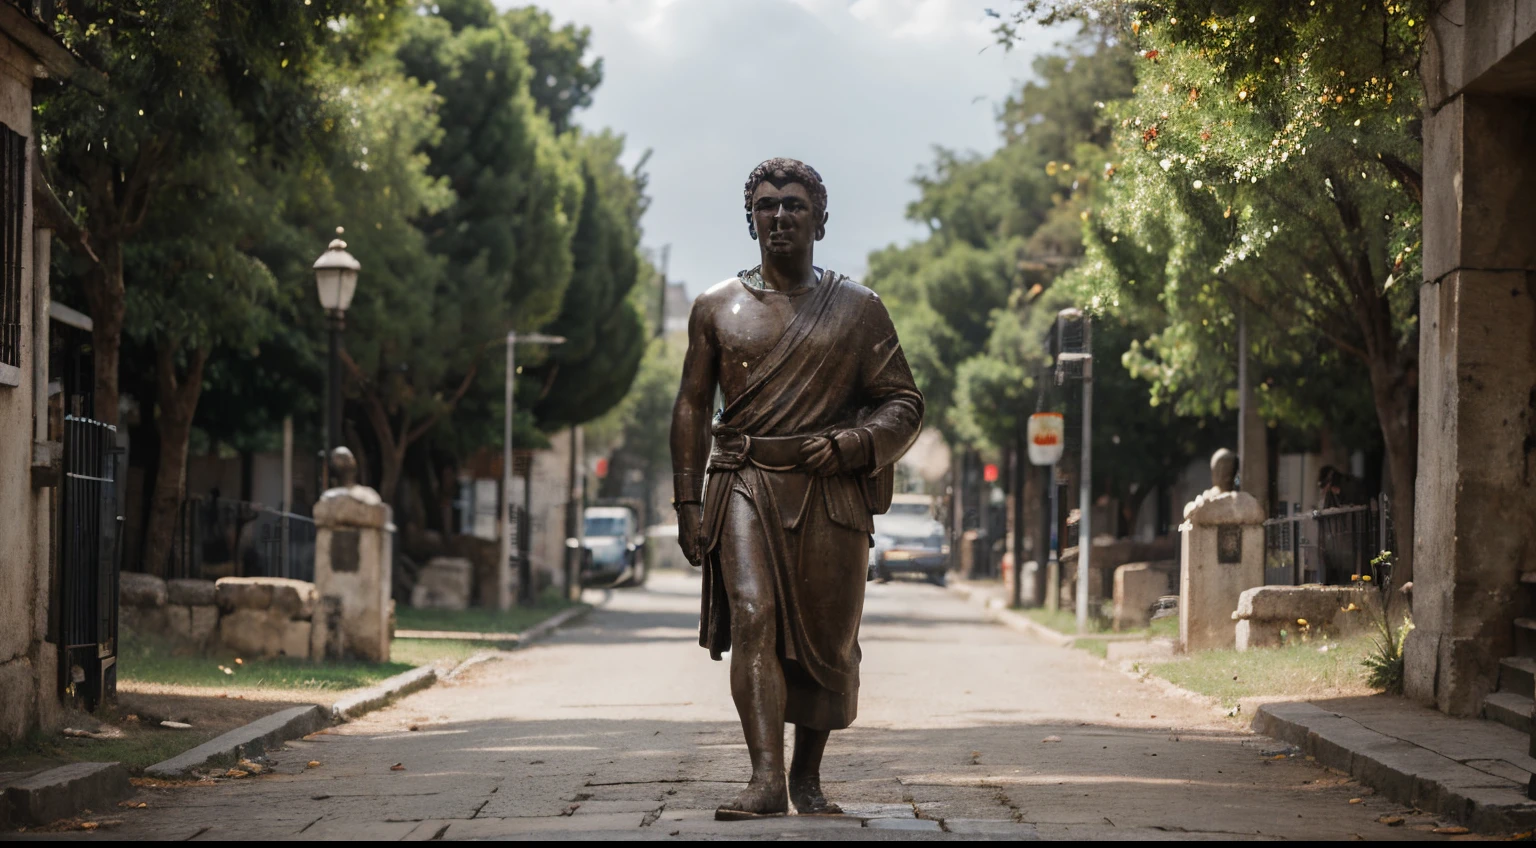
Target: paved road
(622,727)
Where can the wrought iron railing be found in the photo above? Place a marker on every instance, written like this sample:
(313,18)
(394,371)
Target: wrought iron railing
(1335,546)
(227,538)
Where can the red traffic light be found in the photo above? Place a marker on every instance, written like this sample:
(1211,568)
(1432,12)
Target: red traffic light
(602,467)
(989,473)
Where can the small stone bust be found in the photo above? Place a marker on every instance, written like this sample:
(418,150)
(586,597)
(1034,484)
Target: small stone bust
(1222,503)
(1224,464)
(344,468)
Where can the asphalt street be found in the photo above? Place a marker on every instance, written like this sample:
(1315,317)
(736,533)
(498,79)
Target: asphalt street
(622,727)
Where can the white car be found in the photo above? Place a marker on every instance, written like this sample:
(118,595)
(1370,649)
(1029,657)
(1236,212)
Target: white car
(909,540)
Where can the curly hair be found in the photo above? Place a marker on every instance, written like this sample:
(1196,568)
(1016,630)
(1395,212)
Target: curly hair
(780,171)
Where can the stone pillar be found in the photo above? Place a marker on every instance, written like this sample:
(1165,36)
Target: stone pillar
(352,568)
(1476,482)
(1222,555)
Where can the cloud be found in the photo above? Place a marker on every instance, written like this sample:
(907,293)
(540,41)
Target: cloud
(861,90)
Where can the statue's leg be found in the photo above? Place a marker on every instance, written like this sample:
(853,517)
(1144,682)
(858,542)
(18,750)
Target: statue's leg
(805,773)
(757,677)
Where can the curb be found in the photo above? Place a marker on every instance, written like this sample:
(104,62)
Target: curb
(383,692)
(1400,770)
(1010,619)
(251,740)
(61,792)
(511,640)
(522,640)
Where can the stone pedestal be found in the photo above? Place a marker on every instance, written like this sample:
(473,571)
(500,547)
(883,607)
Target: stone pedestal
(1222,552)
(352,574)
(444,583)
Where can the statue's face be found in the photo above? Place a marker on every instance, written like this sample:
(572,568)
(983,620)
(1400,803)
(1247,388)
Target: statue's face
(783,217)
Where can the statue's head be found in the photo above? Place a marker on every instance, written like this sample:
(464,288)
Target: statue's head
(343,468)
(1224,470)
(786,205)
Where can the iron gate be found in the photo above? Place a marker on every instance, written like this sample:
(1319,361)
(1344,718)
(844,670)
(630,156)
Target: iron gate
(1334,546)
(89,530)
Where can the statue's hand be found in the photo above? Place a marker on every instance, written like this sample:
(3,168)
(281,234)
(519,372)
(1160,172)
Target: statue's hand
(689,522)
(819,455)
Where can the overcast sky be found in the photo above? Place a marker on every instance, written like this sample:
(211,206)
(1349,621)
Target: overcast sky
(862,90)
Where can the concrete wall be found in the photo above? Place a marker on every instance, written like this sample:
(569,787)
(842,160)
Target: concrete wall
(28,663)
(1476,485)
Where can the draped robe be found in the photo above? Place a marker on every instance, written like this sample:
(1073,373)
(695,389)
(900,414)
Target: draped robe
(838,366)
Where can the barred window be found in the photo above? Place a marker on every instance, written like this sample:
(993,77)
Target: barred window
(13,198)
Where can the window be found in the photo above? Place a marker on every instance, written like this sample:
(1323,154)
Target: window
(13,201)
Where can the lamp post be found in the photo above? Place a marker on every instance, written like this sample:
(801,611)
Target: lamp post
(524,570)
(335,282)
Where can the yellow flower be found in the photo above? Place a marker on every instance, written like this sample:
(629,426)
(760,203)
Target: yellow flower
(1301,621)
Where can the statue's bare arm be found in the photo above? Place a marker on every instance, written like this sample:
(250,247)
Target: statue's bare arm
(690,423)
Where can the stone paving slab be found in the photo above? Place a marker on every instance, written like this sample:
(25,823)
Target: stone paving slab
(1361,737)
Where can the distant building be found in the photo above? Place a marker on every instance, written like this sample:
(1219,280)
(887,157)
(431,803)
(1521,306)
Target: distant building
(678,304)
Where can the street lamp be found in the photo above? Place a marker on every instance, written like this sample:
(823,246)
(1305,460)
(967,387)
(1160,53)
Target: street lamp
(524,570)
(335,281)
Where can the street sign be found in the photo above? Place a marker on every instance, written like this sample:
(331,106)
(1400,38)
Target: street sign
(1047,431)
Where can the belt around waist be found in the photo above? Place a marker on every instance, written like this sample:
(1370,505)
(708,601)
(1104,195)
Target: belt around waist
(774,453)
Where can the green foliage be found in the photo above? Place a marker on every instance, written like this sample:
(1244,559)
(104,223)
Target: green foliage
(564,80)
(604,332)
(1384,666)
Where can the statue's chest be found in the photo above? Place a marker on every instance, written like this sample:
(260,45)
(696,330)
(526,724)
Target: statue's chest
(748,328)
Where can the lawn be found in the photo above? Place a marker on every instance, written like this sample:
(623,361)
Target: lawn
(144,660)
(479,620)
(1300,670)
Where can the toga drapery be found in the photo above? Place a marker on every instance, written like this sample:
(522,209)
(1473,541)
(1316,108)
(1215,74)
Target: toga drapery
(838,366)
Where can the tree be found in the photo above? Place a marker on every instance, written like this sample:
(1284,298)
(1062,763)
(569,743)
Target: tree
(501,250)
(189,80)
(1270,158)
(563,81)
(605,335)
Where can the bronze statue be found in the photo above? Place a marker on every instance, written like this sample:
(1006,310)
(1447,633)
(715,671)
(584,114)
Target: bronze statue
(819,405)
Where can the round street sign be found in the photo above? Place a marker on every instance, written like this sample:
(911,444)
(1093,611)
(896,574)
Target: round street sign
(1047,431)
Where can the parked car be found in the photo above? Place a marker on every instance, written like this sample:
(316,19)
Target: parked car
(614,548)
(909,540)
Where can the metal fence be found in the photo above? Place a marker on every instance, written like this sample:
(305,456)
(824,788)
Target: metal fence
(1332,546)
(228,538)
(88,561)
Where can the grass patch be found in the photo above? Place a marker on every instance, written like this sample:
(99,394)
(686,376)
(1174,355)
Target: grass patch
(136,751)
(414,652)
(479,620)
(1097,647)
(1061,620)
(144,660)
(1299,670)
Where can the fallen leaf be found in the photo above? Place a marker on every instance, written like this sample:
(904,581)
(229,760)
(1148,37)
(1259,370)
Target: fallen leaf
(1391,821)
(397,767)
(89,825)
(312,764)
(239,661)
(1051,739)
(234,773)
(1278,757)
(176,725)
(1453,830)
(1357,800)
(414,727)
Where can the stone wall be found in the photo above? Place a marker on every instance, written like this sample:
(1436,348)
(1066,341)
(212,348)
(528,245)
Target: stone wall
(1270,616)
(181,612)
(253,616)
(1138,586)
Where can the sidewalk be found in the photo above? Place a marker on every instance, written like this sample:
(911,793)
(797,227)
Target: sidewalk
(1471,769)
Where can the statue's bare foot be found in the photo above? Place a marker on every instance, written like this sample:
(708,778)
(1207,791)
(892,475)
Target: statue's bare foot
(805,791)
(762,797)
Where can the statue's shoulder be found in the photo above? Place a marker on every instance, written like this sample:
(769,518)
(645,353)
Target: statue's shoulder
(716,296)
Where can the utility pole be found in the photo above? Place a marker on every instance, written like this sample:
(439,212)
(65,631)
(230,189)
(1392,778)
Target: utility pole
(524,570)
(661,314)
(1075,359)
